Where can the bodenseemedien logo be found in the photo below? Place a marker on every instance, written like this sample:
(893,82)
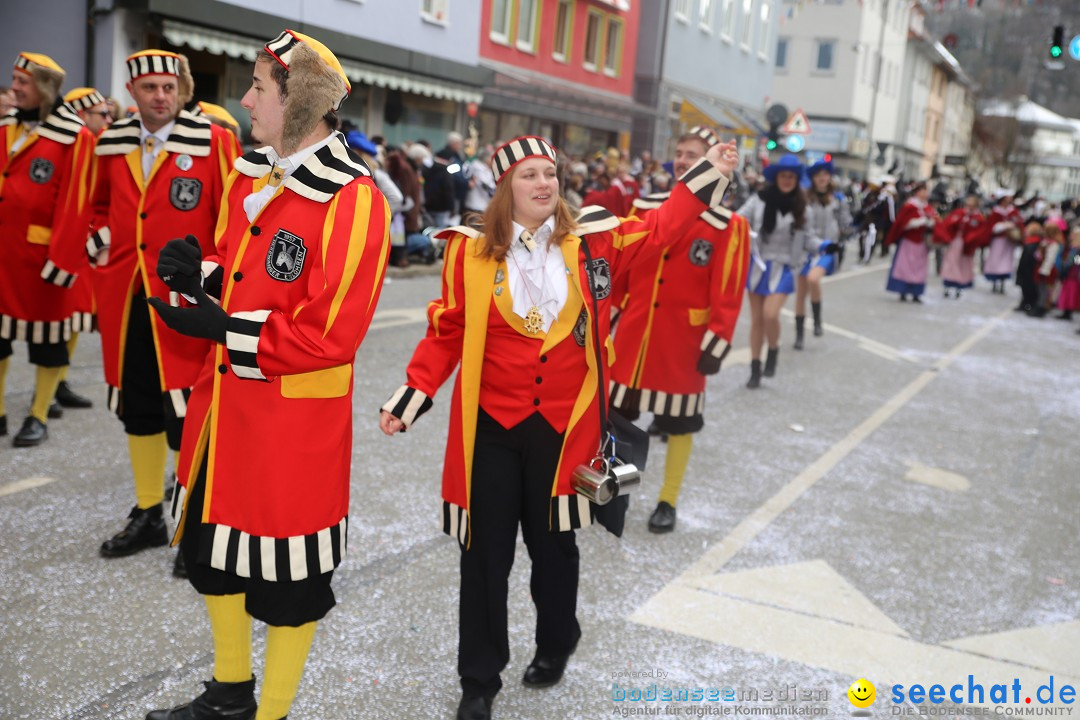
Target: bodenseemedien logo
(862,695)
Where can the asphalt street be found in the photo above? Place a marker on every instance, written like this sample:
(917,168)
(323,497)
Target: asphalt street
(900,504)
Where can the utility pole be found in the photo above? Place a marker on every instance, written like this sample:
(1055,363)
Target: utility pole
(877,84)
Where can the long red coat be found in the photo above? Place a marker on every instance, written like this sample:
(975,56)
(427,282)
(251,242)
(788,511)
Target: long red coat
(963,222)
(914,221)
(272,408)
(473,324)
(680,303)
(132,221)
(43,217)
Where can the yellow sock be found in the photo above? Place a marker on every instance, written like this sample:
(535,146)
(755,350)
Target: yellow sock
(231,626)
(149,455)
(286,652)
(678,456)
(71,352)
(48,378)
(3,382)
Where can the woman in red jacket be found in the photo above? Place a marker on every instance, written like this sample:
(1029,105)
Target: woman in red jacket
(516,312)
(961,234)
(911,232)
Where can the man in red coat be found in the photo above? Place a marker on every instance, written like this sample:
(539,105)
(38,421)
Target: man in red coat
(678,318)
(263,501)
(159,174)
(45,154)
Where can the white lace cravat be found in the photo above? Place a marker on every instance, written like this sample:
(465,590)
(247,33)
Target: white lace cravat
(537,276)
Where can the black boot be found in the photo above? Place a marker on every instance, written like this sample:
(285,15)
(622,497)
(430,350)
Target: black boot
(903,297)
(3,425)
(755,375)
(33,432)
(663,518)
(815,307)
(770,362)
(800,325)
(179,569)
(146,529)
(1065,315)
(545,669)
(474,708)
(221,701)
(69,398)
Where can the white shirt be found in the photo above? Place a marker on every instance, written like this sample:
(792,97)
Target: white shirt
(29,128)
(148,156)
(256,201)
(537,277)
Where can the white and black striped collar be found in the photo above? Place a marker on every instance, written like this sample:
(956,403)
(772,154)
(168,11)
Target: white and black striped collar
(718,217)
(594,218)
(320,177)
(190,136)
(62,125)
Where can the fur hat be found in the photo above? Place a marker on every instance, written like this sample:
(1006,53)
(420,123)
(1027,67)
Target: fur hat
(163,62)
(316,83)
(47,75)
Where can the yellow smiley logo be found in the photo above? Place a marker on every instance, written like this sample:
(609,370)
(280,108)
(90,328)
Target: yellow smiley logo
(862,693)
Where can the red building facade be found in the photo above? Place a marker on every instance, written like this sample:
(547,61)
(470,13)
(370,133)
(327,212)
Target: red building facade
(564,69)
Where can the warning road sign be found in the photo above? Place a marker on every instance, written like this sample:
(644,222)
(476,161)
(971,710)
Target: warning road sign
(797,124)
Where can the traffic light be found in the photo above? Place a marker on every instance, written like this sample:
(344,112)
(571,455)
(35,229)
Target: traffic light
(1057,45)
(774,139)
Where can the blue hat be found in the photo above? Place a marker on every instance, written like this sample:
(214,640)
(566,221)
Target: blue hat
(359,141)
(819,166)
(789,163)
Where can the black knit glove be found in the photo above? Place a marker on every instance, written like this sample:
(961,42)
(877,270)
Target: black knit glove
(205,320)
(708,365)
(180,265)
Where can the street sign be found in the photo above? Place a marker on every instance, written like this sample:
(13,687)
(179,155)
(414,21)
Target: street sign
(1074,48)
(795,143)
(955,159)
(797,124)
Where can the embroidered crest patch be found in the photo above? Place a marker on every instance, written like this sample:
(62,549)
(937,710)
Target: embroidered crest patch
(41,170)
(184,193)
(700,252)
(579,328)
(601,277)
(285,258)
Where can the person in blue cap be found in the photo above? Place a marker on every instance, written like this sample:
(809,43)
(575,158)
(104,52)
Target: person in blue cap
(782,237)
(829,218)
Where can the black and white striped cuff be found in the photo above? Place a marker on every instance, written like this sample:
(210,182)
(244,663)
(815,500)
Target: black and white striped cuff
(407,404)
(242,342)
(97,246)
(706,182)
(213,278)
(53,274)
(715,345)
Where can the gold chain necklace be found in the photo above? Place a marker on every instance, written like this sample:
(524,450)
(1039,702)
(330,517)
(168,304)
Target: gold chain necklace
(534,321)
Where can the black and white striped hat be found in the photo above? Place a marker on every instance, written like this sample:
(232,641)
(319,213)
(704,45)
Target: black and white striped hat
(153,62)
(706,133)
(84,98)
(27,61)
(519,149)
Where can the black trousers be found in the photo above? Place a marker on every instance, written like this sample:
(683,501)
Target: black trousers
(144,408)
(291,603)
(42,354)
(513,471)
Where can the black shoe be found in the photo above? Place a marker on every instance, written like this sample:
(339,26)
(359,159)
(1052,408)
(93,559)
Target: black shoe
(1065,315)
(1036,312)
(473,708)
(770,362)
(3,425)
(800,327)
(916,299)
(755,375)
(903,297)
(146,529)
(815,307)
(170,486)
(33,432)
(1022,307)
(547,670)
(69,398)
(179,569)
(55,412)
(221,701)
(663,518)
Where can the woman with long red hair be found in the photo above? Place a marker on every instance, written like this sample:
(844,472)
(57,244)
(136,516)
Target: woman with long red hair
(516,313)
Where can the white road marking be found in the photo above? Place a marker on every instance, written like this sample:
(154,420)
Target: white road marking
(864,343)
(27,484)
(856,272)
(936,477)
(1053,646)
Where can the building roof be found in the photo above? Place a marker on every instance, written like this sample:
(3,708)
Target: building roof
(1026,111)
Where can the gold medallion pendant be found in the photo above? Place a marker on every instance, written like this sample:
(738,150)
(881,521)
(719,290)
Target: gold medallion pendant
(533,320)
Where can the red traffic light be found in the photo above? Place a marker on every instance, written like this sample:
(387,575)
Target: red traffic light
(828,157)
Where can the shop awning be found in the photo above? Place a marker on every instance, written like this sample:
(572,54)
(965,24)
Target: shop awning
(219,42)
(690,114)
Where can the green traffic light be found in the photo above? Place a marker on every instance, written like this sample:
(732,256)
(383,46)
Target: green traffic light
(771,145)
(1055,51)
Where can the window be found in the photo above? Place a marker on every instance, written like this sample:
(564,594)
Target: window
(435,11)
(500,21)
(748,23)
(763,47)
(613,47)
(564,30)
(592,40)
(705,17)
(527,22)
(682,10)
(781,53)
(727,19)
(824,59)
